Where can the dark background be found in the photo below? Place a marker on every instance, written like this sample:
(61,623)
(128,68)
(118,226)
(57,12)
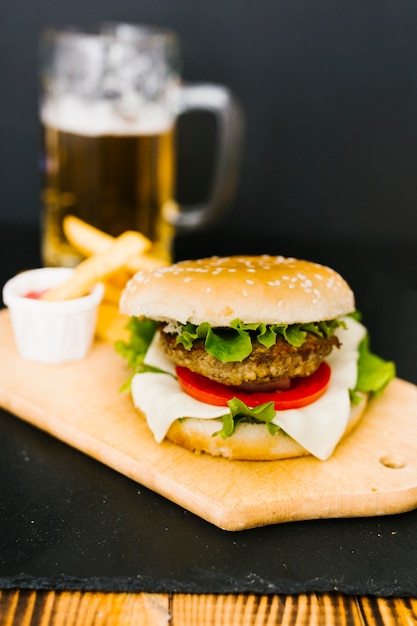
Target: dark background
(329,91)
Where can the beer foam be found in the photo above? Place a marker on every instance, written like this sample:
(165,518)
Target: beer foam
(97,118)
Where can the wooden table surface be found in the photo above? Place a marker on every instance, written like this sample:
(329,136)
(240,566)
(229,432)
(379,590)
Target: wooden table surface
(53,608)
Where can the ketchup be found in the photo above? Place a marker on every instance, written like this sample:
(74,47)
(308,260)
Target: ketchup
(35,295)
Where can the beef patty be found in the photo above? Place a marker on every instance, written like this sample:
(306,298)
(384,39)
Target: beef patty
(263,365)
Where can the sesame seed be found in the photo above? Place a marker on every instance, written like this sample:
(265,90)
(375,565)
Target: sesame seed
(244,292)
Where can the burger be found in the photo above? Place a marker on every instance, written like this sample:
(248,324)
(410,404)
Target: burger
(249,357)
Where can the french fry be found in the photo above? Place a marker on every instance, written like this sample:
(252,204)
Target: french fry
(112,291)
(93,269)
(93,243)
(86,238)
(118,279)
(145,262)
(111,324)
(90,240)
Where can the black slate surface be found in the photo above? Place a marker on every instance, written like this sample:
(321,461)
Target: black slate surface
(68,522)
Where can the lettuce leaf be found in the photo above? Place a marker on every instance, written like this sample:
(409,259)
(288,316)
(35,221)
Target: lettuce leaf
(134,351)
(234,344)
(239,412)
(374,373)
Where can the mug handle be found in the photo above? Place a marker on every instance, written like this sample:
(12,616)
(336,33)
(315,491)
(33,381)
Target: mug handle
(229,118)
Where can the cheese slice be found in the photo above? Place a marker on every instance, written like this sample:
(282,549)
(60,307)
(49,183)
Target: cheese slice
(155,357)
(317,427)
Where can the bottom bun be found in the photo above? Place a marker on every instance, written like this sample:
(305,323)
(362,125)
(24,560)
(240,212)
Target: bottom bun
(249,442)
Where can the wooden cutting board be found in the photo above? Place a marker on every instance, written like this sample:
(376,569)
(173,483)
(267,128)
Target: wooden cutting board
(373,472)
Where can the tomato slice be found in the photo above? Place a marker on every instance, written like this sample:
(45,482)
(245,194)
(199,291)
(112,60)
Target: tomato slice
(303,391)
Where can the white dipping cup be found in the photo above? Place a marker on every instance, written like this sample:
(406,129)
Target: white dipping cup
(51,332)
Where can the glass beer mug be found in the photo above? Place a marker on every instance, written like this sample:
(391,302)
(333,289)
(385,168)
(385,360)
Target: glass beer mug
(109,103)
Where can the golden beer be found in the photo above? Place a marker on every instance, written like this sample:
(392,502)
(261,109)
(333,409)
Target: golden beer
(110,97)
(114,182)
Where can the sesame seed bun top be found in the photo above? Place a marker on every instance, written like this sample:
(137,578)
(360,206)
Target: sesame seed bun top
(270,289)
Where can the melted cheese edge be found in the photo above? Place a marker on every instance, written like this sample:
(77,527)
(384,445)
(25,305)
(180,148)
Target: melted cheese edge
(317,427)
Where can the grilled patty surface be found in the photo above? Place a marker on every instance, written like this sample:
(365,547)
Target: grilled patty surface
(263,365)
